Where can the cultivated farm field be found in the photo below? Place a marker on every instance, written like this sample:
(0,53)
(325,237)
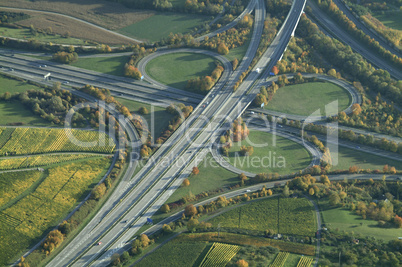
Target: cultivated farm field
(296,217)
(21,141)
(174,253)
(13,163)
(36,201)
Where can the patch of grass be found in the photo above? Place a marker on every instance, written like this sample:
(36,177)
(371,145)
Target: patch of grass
(176,69)
(14,86)
(23,223)
(212,176)
(15,112)
(391,19)
(282,156)
(159,26)
(26,34)
(175,253)
(304,99)
(345,220)
(239,52)
(350,157)
(296,216)
(159,115)
(107,65)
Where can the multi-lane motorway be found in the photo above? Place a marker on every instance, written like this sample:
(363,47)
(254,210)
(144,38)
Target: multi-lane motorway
(140,195)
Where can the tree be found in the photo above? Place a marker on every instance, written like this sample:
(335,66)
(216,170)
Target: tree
(242,263)
(195,171)
(99,191)
(332,72)
(235,63)
(223,49)
(356,109)
(311,191)
(242,177)
(275,70)
(165,208)
(115,259)
(192,224)
(285,191)
(143,111)
(144,240)
(190,210)
(334,199)
(186,182)
(398,221)
(166,228)
(324,179)
(52,241)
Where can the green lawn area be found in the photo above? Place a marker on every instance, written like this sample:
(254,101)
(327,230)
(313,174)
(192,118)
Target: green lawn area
(238,52)
(282,156)
(296,216)
(346,221)
(108,65)
(391,19)
(12,112)
(26,34)
(15,86)
(349,157)
(177,68)
(175,253)
(160,117)
(212,176)
(161,25)
(304,99)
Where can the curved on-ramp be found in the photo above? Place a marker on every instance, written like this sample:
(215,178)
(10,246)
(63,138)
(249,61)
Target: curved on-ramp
(355,95)
(313,151)
(144,61)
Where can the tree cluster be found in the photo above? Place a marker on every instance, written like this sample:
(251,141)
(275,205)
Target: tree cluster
(181,112)
(332,9)
(237,133)
(377,116)
(204,84)
(65,57)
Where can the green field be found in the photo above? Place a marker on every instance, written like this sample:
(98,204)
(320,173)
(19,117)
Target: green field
(161,25)
(304,99)
(160,117)
(211,176)
(15,86)
(15,112)
(37,204)
(176,69)
(238,52)
(175,253)
(391,19)
(21,141)
(350,157)
(296,216)
(107,65)
(13,163)
(283,156)
(344,220)
(25,34)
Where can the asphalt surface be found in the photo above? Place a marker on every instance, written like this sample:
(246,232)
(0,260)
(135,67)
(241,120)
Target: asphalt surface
(346,38)
(121,86)
(333,143)
(366,29)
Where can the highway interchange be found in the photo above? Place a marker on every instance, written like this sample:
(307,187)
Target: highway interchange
(139,195)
